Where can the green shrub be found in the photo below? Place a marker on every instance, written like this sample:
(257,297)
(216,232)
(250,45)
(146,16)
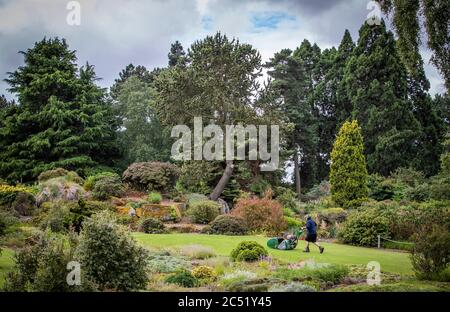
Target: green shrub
(194,197)
(152,226)
(319,191)
(293,223)
(331,273)
(332,215)
(203,212)
(166,263)
(227,225)
(383,189)
(107,186)
(248,251)
(291,287)
(110,256)
(70,176)
(440,187)
(92,179)
(348,171)
(408,176)
(363,227)
(155,197)
(259,187)
(18,198)
(431,253)
(182,278)
(62,216)
(420,192)
(261,214)
(199,176)
(151,176)
(41,266)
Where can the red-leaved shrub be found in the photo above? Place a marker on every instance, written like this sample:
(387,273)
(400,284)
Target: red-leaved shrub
(261,214)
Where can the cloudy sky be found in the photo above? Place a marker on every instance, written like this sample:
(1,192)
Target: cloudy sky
(114,33)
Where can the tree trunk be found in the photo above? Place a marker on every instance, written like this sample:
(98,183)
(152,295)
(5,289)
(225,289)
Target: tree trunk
(298,185)
(223,181)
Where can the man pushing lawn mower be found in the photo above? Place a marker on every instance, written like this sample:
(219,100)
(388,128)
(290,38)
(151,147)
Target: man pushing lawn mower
(311,234)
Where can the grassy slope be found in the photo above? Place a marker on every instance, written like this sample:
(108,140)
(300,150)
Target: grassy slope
(6,264)
(390,261)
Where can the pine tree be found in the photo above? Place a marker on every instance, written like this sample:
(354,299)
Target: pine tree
(348,175)
(432,127)
(62,118)
(130,70)
(177,56)
(376,83)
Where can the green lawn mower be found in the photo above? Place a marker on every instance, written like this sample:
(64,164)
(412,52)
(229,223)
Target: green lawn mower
(288,242)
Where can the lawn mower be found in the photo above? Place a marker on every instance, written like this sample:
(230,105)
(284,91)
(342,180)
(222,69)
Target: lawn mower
(288,242)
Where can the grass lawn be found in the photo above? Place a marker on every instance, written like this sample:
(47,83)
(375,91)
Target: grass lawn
(390,261)
(6,264)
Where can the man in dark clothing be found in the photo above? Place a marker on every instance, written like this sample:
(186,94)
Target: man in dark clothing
(311,234)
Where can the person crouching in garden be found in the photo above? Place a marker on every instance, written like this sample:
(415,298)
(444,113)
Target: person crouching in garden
(311,234)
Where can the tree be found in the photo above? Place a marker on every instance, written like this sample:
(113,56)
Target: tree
(129,71)
(177,56)
(432,127)
(294,81)
(407,19)
(143,138)
(218,83)
(375,81)
(62,119)
(348,175)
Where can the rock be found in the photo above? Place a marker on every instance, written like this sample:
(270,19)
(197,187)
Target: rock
(224,207)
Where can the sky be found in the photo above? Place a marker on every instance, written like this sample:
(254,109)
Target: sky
(114,33)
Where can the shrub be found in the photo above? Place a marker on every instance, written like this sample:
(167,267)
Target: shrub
(18,198)
(192,198)
(332,215)
(408,176)
(59,188)
(291,287)
(154,176)
(198,251)
(41,266)
(348,171)
(110,256)
(259,187)
(293,223)
(440,188)
(420,192)
(182,278)
(203,212)
(92,179)
(203,272)
(288,199)
(431,253)
(227,225)
(62,216)
(261,214)
(155,197)
(383,189)
(199,176)
(319,191)
(248,251)
(363,227)
(330,273)
(107,186)
(70,176)
(166,263)
(3,224)
(152,226)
